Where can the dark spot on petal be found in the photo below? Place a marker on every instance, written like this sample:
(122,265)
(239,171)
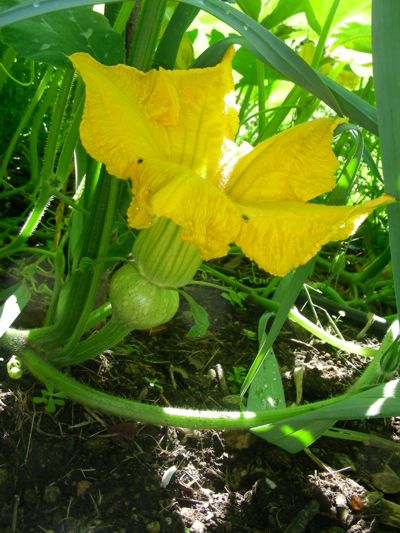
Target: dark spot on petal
(140,160)
(245,217)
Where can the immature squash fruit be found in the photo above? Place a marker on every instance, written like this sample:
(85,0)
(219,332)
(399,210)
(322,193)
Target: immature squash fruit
(139,303)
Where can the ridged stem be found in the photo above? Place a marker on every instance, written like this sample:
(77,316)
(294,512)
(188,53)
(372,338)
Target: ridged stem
(110,335)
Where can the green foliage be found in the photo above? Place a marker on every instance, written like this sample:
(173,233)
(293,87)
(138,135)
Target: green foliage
(305,59)
(250,7)
(235,378)
(49,398)
(53,38)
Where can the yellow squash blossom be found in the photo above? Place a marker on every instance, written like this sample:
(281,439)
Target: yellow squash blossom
(171,133)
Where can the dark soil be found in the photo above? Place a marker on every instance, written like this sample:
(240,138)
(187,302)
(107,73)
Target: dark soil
(81,471)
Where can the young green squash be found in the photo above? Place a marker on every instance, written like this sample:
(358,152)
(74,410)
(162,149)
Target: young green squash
(139,303)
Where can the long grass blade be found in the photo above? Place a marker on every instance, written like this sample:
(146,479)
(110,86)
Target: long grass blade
(386,58)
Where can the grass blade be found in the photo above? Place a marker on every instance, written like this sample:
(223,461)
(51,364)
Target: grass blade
(386,58)
(13,307)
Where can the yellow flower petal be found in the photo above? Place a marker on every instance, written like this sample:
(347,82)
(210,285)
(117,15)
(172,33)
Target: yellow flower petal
(296,164)
(283,235)
(115,108)
(179,116)
(207,217)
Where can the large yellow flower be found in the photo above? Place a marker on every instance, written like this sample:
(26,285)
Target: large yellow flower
(171,133)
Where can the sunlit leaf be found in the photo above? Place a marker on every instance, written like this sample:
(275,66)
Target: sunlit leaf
(296,433)
(53,37)
(250,7)
(266,390)
(348,10)
(355,36)
(284,10)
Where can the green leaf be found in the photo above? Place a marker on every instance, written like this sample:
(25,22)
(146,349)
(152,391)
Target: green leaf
(348,11)
(200,317)
(250,7)
(245,64)
(13,306)
(53,37)
(367,438)
(284,10)
(355,36)
(296,433)
(266,390)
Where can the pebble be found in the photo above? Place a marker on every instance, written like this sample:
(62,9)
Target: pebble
(197,527)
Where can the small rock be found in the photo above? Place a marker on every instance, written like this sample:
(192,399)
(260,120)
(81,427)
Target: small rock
(197,527)
(186,512)
(340,500)
(82,487)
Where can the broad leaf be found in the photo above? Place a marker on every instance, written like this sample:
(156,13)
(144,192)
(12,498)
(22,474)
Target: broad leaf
(53,37)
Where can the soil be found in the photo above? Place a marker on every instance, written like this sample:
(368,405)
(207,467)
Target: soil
(78,470)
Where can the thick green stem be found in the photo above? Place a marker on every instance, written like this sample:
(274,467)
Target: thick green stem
(31,223)
(53,137)
(37,125)
(83,285)
(71,138)
(107,337)
(143,46)
(151,414)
